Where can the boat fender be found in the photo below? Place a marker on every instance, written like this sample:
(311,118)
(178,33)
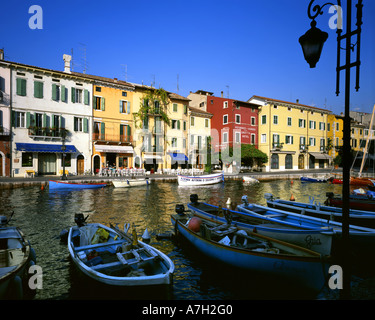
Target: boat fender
(195,224)
(242,234)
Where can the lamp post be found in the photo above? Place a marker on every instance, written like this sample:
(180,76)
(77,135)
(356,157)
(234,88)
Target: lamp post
(312,45)
(63,148)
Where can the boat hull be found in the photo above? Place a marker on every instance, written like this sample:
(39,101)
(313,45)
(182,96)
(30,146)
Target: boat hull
(128,183)
(307,270)
(161,278)
(307,179)
(55,185)
(200,180)
(314,237)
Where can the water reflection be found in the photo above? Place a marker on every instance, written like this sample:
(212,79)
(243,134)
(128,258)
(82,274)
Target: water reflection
(42,215)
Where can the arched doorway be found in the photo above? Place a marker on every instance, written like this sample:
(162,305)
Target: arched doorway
(288,161)
(96,164)
(80,164)
(275,161)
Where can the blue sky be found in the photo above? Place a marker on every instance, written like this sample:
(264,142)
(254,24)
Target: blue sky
(241,47)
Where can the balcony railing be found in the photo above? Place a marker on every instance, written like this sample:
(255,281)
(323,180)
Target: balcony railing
(277,145)
(112,138)
(47,133)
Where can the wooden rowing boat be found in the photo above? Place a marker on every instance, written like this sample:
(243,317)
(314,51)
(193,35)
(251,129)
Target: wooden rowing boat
(55,185)
(252,252)
(112,257)
(127,183)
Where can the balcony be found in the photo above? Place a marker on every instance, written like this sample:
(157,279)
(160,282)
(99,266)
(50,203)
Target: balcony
(277,145)
(52,134)
(99,137)
(303,148)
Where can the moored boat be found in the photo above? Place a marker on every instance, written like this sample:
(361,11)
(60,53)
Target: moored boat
(127,183)
(363,202)
(315,236)
(200,179)
(16,258)
(112,257)
(249,179)
(252,252)
(308,179)
(53,185)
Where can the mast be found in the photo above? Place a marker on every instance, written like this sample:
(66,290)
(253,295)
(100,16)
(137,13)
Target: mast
(367,142)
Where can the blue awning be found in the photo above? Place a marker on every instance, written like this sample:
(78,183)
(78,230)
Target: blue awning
(38,147)
(178,156)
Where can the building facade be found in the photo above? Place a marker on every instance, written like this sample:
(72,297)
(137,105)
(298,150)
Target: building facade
(293,135)
(51,121)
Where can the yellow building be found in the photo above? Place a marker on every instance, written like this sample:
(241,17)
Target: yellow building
(335,134)
(199,133)
(160,146)
(293,135)
(112,124)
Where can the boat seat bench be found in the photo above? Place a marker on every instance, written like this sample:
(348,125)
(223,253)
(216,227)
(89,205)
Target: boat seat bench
(99,245)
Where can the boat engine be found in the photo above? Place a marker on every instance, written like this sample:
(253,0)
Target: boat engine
(194,198)
(180,209)
(80,220)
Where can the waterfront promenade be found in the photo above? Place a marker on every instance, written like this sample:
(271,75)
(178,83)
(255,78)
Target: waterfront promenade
(19,182)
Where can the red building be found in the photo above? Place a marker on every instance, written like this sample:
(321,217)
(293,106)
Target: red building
(233,121)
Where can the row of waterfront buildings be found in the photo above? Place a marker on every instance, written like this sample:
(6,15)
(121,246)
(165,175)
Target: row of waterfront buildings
(45,114)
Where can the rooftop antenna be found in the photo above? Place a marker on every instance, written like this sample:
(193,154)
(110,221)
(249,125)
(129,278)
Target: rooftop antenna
(72,61)
(227,91)
(178,87)
(125,66)
(84,58)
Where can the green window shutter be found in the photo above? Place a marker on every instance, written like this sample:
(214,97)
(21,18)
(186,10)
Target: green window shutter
(38,89)
(129,131)
(63,94)
(94,103)
(54,92)
(14,115)
(85,125)
(102,129)
(21,87)
(44,124)
(121,129)
(178,125)
(86,97)
(73,95)
(18,85)
(28,119)
(129,107)
(120,107)
(103,104)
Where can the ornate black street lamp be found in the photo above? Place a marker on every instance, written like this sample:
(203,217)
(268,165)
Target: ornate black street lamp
(63,149)
(312,45)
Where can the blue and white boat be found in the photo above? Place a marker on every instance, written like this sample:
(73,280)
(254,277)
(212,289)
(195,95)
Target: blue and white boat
(312,235)
(361,238)
(308,179)
(200,180)
(253,252)
(55,185)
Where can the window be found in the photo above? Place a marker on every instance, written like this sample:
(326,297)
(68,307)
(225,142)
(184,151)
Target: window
(98,89)
(337,126)
(328,127)
(264,119)
(301,123)
(55,92)
(252,138)
(27,159)
(20,119)
(225,137)
(185,109)
(78,124)
(238,137)
(124,106)
(238,118)
(288,139)
(312,124)
(192,121)
(21,87)
(322,126)
(174,142)
(99,103)
(175,107)
(263,138)
(225,119)
(176,124)
(206,123)
(124,94)
(38,89)
(225,104)
(252,121)
(275,119)
(302,141)
(289,121)
(81,96)
(312,142)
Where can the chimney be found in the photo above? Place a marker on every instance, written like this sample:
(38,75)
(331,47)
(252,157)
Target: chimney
(115,79)
(297,100)
(67,58)
(222,94)
(1,54)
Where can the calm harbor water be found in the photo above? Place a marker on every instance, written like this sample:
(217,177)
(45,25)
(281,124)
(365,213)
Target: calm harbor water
(42,215)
